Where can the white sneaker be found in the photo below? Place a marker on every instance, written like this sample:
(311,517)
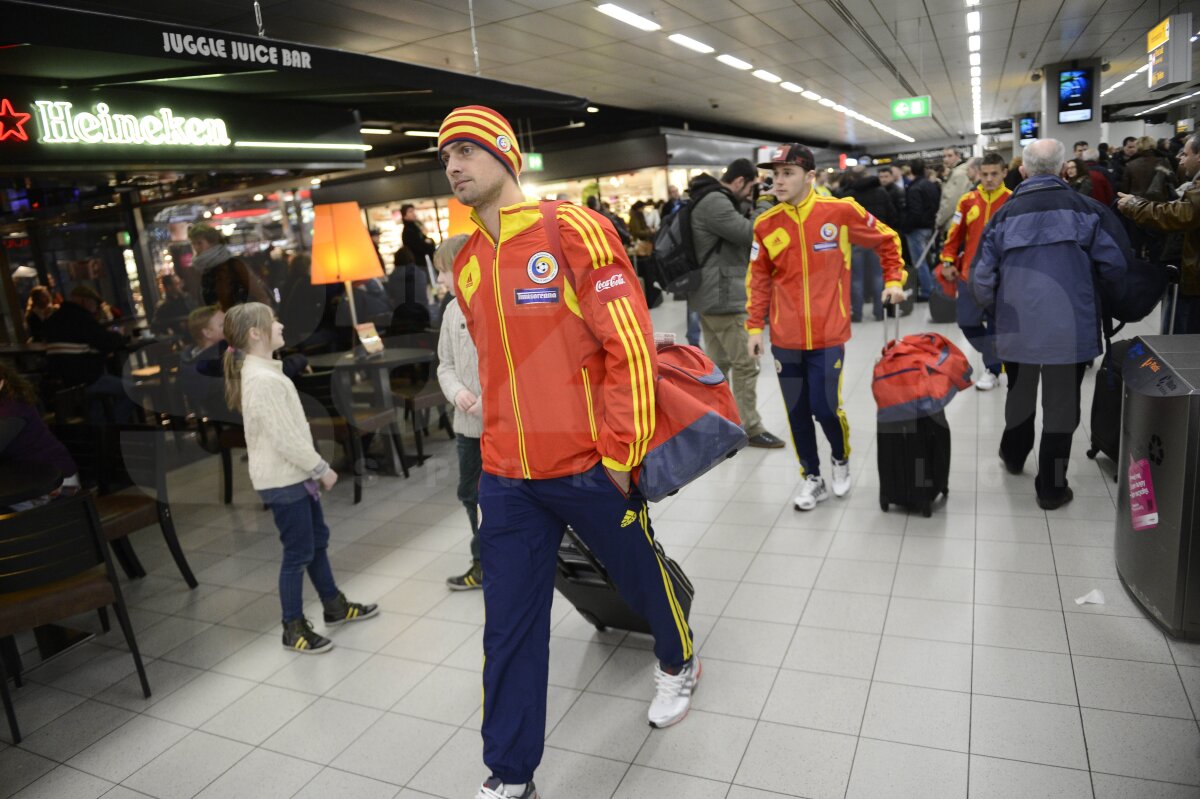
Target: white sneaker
(987,382)
(812,491)
(841,478)
(493,789)
(673,693)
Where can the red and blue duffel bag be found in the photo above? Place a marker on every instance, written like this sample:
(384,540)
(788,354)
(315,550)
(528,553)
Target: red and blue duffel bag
(917,376)
(696,422)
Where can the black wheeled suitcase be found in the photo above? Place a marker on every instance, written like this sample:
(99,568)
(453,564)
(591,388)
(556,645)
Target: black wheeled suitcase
(942,309)
(582,579)
(1106,402)
(913,456)
(914,462)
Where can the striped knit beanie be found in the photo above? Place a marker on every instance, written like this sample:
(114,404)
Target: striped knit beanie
(485,127)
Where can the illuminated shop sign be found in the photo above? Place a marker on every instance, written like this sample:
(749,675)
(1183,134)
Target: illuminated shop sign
(60,123)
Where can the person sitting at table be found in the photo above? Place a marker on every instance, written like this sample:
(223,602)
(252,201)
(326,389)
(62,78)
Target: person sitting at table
(37,310)
(171,312)
(75,322)
(25,439)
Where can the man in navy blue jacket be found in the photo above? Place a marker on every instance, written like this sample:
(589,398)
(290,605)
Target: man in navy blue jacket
(1039,267)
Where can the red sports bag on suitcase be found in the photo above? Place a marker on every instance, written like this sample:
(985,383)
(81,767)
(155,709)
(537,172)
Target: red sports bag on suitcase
(917,376)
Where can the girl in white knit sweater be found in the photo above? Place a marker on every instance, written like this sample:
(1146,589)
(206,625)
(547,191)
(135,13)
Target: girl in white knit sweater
(285,469)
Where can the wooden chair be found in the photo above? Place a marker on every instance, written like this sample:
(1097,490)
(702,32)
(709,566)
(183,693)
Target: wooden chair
(117,462)
(333,416)
(54,565)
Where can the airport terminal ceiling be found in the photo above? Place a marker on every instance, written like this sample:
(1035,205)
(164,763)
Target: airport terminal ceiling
(857,55)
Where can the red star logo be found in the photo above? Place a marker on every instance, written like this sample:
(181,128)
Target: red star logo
(12,123)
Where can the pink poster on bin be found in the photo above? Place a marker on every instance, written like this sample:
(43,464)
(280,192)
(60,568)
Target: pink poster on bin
(1142,506)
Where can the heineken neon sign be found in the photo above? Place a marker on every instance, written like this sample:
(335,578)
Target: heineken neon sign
(59,123)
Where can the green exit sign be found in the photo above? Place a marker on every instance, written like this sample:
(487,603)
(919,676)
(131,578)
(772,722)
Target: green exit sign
(911,107)
(533,162)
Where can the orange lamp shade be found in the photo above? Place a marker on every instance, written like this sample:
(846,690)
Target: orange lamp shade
(341,245)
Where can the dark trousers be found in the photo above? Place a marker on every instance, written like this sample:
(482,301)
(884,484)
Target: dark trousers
(521,527)
(866,281)
(1060,416)
(305,539)
(811,382)
(470,466)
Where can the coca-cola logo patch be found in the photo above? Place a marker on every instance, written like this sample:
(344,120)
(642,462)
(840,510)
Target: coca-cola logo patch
(611,284)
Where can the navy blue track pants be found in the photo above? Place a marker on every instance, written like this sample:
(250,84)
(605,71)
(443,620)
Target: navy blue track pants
(521,525)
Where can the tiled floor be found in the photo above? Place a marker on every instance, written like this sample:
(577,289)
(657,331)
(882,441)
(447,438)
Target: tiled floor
(847,652)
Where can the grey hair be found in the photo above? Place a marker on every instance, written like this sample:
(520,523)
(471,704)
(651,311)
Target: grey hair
(1194,140)
(974,162)
(1091,154)
(1044,157)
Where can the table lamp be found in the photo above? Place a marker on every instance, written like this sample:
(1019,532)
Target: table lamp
(342,251)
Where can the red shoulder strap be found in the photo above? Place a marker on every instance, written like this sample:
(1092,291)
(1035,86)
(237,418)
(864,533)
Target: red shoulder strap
(549,209)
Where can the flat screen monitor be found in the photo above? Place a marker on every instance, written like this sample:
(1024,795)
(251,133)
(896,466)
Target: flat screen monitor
(1029,129)
(1075,95)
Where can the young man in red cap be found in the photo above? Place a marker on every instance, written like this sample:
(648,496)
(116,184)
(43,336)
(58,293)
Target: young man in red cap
(799,283)
(567,367)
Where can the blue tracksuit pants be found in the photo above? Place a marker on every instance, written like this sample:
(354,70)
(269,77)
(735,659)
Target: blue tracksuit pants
(521,525)
(811,383)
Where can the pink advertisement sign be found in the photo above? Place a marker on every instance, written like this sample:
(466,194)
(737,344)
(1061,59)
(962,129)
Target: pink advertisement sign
(1142,506)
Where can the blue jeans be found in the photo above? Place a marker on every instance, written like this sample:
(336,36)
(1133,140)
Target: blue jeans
(811,382)
(693,328)
(305,539)
(470,466)
(979,326)
(866,276)
(918,240)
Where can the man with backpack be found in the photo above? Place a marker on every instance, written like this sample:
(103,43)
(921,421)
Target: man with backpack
(722,235)
(1043,264)
(567,368)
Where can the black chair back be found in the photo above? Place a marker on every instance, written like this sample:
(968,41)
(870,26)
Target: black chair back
(143,457)
(322,394)
(50,543)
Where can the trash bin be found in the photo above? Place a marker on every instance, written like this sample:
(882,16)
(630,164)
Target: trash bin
(1158,504)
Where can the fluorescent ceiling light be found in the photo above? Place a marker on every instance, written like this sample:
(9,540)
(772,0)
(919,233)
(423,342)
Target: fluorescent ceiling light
(976,81)
(810,95)
(973,21)
(973,43)
(769,77)
(628,17)
(974,59)
(734,62)
(425,134)
(825,101)
(841,109)
(591,109)
(690,43)
(390,168)
(791,87)
(301,145)
(972,2)
(1142,68)
(375,131)
(976,72)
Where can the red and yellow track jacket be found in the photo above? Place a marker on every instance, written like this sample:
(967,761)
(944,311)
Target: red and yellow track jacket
(975,209)
(800,269)
(566,351)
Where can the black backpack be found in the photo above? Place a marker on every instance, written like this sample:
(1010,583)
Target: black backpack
(676,268)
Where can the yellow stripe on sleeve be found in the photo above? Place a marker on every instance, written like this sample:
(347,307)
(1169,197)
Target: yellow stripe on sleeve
(633,388)
(586,241)
(643,375)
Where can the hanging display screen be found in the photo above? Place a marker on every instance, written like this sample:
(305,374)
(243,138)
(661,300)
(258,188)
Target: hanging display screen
(1075,89)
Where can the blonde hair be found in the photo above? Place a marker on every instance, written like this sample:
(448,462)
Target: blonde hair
(1145,143)
(447,251)
(239,321)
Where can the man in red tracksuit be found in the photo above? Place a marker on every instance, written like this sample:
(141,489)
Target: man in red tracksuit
(567,367)
(799,283)
(975,209)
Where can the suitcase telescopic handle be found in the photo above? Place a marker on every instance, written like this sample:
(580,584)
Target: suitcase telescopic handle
(891,311)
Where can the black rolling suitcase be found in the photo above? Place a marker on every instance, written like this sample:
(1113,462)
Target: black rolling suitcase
(942,309)
(1110,388)
(584,582)
(913,457)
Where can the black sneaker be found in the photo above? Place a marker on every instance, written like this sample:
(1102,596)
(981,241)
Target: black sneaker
(765,440)
(1054,504)
(298,636)
(492,788)
(340,610)
(472,580)
(1010,468)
